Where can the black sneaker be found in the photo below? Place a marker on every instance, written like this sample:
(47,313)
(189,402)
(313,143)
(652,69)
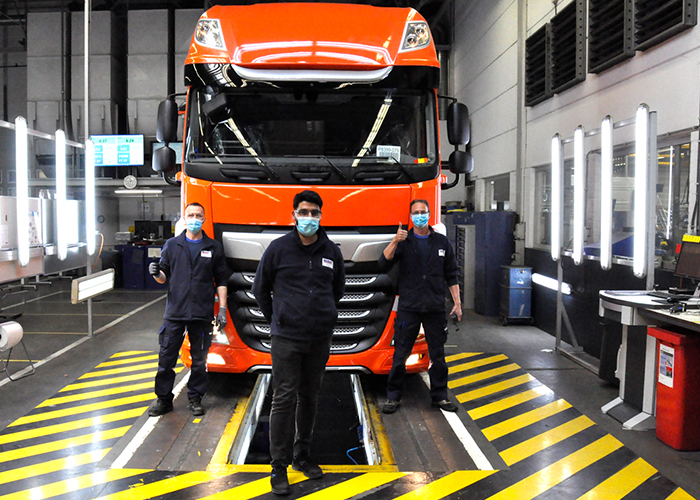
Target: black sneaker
(195,406)
(161,407)
(391,406)
(279,481)
(445,405)
(307,466)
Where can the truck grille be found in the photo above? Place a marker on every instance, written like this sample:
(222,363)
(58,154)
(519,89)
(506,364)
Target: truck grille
(356,297)
(362,312)
(335,346)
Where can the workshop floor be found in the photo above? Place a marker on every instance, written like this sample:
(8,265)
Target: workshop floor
(535,414)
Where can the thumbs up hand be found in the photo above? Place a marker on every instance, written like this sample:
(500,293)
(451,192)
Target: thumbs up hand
(401,234)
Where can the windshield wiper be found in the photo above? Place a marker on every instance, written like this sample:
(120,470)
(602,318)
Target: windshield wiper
(390,160)
(335,168)
(252,160)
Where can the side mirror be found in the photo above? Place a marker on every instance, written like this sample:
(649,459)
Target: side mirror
(163,160)
(461,162)
(166,127)
(458,132)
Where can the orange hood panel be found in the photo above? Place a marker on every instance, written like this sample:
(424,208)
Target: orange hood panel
(312,36)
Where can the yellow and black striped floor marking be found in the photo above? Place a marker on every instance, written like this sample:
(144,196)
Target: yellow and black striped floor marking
(552,451)
(54,449)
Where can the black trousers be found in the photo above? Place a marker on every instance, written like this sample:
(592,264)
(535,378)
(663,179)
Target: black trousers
(297,373)
(170,338)
(406,328)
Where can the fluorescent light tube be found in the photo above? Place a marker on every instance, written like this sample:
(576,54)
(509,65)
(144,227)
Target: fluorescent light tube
(579,195)
(139,192)
(556,206)
(641,170)
(90,196)
(62,219)
(550,283)
(606,202)
(22,175)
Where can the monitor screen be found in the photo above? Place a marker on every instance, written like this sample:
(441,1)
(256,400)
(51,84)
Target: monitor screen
(118,150)
(688,265)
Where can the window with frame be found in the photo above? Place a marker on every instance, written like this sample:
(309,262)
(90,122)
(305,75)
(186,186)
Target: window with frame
(543,206)
(498,193)
(672,205)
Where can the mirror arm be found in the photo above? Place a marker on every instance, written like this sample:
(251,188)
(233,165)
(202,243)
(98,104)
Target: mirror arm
(449,98)
(450,185)
(171,180)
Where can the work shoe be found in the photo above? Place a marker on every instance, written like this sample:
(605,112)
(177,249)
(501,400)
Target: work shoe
(307,466)
(195,406)
(161,407)
(279,481)
(391,406)
(445,405)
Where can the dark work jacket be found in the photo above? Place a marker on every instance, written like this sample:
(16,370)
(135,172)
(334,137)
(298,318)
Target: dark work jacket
(422,284)
(192,289)
(298,287)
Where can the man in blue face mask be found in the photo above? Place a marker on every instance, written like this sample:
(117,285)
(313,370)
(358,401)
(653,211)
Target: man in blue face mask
(299,282)
(194,266)
(426,263)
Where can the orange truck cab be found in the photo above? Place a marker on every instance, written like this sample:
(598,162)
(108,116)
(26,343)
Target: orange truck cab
(337,98)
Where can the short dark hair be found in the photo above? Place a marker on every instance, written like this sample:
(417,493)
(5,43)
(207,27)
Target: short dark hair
(308,196)
(195,204)
(419,201)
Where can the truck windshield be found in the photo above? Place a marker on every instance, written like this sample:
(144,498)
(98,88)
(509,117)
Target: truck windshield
(324,136)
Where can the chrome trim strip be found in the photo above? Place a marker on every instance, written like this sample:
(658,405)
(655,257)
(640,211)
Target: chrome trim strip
(297,75)
(355,247)
(268,368)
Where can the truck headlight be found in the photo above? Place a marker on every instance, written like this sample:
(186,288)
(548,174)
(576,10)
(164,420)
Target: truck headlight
(208,33)
(414,359)
(417,35)
(215,359)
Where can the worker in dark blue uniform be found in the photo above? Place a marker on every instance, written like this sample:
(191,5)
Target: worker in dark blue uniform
(299,282)
(194,265)
(426,264)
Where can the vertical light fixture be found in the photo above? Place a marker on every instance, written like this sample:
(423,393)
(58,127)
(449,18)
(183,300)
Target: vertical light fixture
(641,164)
(606,202)
(22,175)
(556,205)
(579,195)
(90,195)
(62,219)
(669,216)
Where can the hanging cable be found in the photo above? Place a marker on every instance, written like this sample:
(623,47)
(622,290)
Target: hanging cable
(102,242)
(348,454)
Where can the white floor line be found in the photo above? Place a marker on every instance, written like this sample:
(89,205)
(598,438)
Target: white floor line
(127,315)
(463,435)
(77,342)
(36,298)
(143,432)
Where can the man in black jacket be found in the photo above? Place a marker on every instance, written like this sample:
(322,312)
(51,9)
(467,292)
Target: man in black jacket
(194,266)
(299,282)
(426,263)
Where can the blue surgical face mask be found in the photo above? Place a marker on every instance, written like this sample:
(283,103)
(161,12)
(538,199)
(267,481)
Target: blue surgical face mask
(420,220)
(194,225)
(307,226)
